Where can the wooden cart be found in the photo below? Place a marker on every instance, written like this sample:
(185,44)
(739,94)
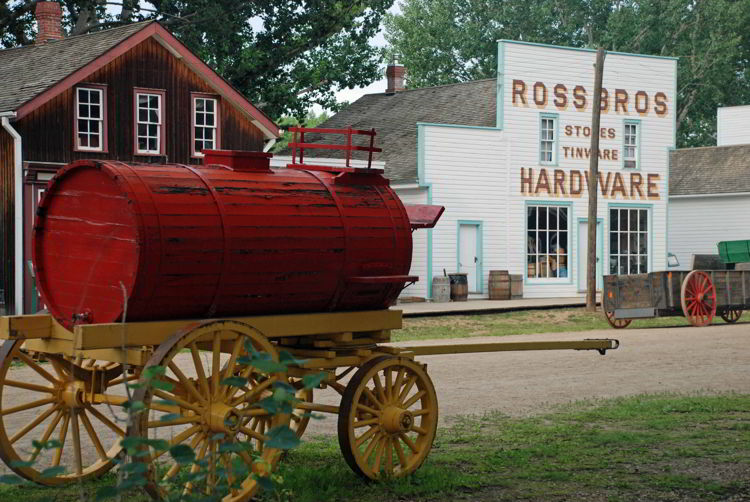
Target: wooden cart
(698,295)
(70,387)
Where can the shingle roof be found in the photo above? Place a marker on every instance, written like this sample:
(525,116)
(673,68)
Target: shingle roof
(712,169)
(394,118)
(28,71)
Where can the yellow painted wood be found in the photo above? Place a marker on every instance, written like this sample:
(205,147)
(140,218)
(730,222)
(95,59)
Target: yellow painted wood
(333,363)
(98,336)
(132,356)
(593,344)
(32,326)
(322,408)
(326,354)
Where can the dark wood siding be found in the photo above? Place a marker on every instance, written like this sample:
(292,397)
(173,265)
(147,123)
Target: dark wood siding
(6,219)
(48,131)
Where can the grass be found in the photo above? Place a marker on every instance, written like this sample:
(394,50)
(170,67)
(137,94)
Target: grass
(655,448)
(520,323)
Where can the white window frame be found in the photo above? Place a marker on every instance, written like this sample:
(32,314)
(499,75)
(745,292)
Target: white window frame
(631,144)
(203,127)
(548,139)
(625,239)
(159,123)
(100,121)
(547,256)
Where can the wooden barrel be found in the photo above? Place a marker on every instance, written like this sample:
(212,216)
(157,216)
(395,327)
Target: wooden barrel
(499,285)
(459,287)
(516,286)
(441,289)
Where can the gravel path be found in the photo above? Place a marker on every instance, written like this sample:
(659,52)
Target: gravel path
(713,359)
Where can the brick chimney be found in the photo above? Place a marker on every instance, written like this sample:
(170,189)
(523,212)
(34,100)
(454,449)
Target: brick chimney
(395,73)
(48,20)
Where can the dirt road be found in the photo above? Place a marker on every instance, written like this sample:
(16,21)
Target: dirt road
(714,359)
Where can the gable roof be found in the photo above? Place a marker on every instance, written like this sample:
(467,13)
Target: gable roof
(34,74)
(709,170)
(394,118)
(30,70)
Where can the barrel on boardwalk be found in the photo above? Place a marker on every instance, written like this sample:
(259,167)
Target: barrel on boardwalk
(441,289)
(459,287)
(499,285)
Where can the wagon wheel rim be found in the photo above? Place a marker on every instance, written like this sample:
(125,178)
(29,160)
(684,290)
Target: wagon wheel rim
(300,417)
(698,298)
(731,315)
(617,323)
(60,408)
(388,418)
(215,417)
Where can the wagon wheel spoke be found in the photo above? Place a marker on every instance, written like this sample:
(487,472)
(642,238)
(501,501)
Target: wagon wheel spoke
(698,298)
(46,400)
(211,410)
(387,418)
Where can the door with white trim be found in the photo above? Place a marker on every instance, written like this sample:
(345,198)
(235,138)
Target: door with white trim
(468,254)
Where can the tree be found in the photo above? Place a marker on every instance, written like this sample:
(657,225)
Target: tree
(310,120)
(284,56)
(446,41)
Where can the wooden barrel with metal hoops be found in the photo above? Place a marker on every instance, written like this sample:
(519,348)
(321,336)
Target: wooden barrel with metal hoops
(499,285)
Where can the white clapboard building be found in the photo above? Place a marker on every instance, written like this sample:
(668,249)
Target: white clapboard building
(709,189)
(508,158)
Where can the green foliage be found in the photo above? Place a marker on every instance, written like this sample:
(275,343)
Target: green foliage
(284,56)
(447,41)
(134,471)
(285,122)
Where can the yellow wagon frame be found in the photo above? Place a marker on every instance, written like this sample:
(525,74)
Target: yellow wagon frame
(389,396)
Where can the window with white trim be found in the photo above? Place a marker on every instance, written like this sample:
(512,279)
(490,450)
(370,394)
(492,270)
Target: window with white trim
(149,123)
(205,124)
(548,140)
(90,119)
(547,242)
(628,241)
(630,146)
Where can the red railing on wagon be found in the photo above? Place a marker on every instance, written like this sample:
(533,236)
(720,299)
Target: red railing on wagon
(349,147)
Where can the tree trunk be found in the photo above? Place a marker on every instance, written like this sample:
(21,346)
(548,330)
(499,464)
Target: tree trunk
(593,185)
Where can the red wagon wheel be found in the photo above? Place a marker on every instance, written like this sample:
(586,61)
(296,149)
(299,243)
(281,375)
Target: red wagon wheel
(617,323)
(698,298)
(731,315)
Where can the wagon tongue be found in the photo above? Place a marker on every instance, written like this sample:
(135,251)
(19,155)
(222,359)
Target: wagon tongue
(423,215)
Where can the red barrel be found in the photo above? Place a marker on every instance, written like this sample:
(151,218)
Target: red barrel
(235,239)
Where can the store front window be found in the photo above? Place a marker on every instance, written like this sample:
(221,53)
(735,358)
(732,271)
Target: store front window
(547,242)
(628,241)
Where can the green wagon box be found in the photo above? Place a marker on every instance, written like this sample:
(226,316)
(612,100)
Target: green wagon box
(734,251)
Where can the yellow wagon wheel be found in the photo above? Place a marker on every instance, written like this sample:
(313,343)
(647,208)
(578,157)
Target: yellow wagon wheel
(223,424)
(388,418)
(59,400)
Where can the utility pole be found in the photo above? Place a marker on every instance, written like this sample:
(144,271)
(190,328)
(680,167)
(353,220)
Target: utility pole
(593,184)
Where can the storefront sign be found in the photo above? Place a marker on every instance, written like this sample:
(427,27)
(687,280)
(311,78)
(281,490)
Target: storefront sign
(562,97)
(612,185)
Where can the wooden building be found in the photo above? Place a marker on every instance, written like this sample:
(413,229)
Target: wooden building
(508,158)
(133,93)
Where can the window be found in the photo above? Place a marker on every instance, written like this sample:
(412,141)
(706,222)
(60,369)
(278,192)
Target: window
(630,145)
(90,121)
(205,124)
(628,241)
(547,242)
(548,140)
(149,126)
